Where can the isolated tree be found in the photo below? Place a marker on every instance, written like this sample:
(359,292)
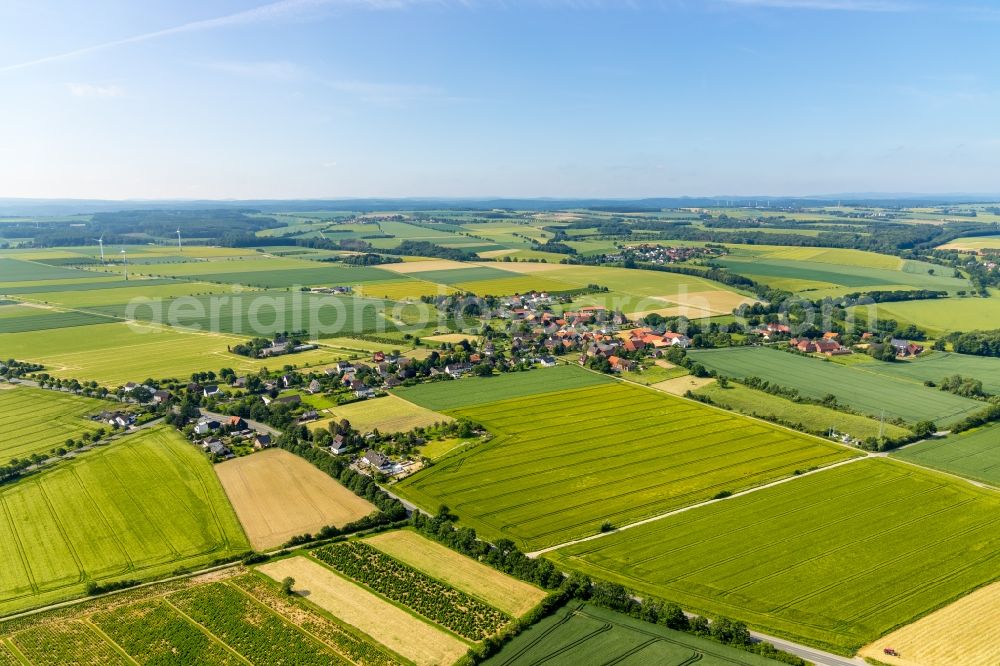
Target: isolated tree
(287,584)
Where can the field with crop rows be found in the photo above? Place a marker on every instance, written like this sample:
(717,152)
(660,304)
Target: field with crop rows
(963,632)
(143,506)
(853,386)
(150,627)
(506,593)
(833,559)
(451,608)
(22,318)
(113,354)
(423,643)
(564,462)
(582,634)
(472,391)
(814,418)
(911,275)
(974,454)
(37,420)
(938,365)
(263,313)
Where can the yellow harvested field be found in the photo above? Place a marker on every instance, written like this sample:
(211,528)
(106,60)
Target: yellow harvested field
(675,311)
(499,590)
(718,300)
(408,267)
(278,495)
(515,285)
(389,414)
(526,267)
(496,253)
(453,338)
(664,364)
(388,624)
(402,290)
(960,634)
(679,385)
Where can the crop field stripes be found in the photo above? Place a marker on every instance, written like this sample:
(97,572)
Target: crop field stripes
(844,560)
(664,452)
(685,509)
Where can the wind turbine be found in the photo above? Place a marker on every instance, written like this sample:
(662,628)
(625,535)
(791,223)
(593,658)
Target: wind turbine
(100,241)
(179,248)
(125,262)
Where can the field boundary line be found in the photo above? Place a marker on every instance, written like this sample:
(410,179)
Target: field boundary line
(114,646)
(978,484)
(203,629)
(674,512)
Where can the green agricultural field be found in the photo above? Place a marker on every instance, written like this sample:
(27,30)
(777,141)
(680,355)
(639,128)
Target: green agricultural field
(856,278)
(943,315)
(20,318)
(814,418)
(854,386)
(472,391)
(935,366)
(321,275)
(37,288)
(974,454)
(265,313)
(15,270)
(113,354)
(834,559)
(235,618)
(563,463)
(122,292)
(37,420)
(518,284)
(583,634)
(141,507)
(458,275)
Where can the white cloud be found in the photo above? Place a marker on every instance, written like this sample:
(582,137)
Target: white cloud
(90,90)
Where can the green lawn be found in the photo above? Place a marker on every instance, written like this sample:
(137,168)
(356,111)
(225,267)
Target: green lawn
(974,454)
(814,418)
(37,420)
(835,559)
(564,462)
(854,386)
(139,508)
(471,391)
(583,634)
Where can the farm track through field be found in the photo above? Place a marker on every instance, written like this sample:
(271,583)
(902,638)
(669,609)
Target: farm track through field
(674,512)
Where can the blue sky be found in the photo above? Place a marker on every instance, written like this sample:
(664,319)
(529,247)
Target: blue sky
(342,98)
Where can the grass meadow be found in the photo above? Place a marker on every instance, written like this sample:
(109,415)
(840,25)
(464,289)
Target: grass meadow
(974,454)
(141,507)
(471,391)
(562,463)
(835,559)
(36,420)
(854,386)
(814,418)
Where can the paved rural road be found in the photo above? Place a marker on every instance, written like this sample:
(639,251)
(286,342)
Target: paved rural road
(817,657)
